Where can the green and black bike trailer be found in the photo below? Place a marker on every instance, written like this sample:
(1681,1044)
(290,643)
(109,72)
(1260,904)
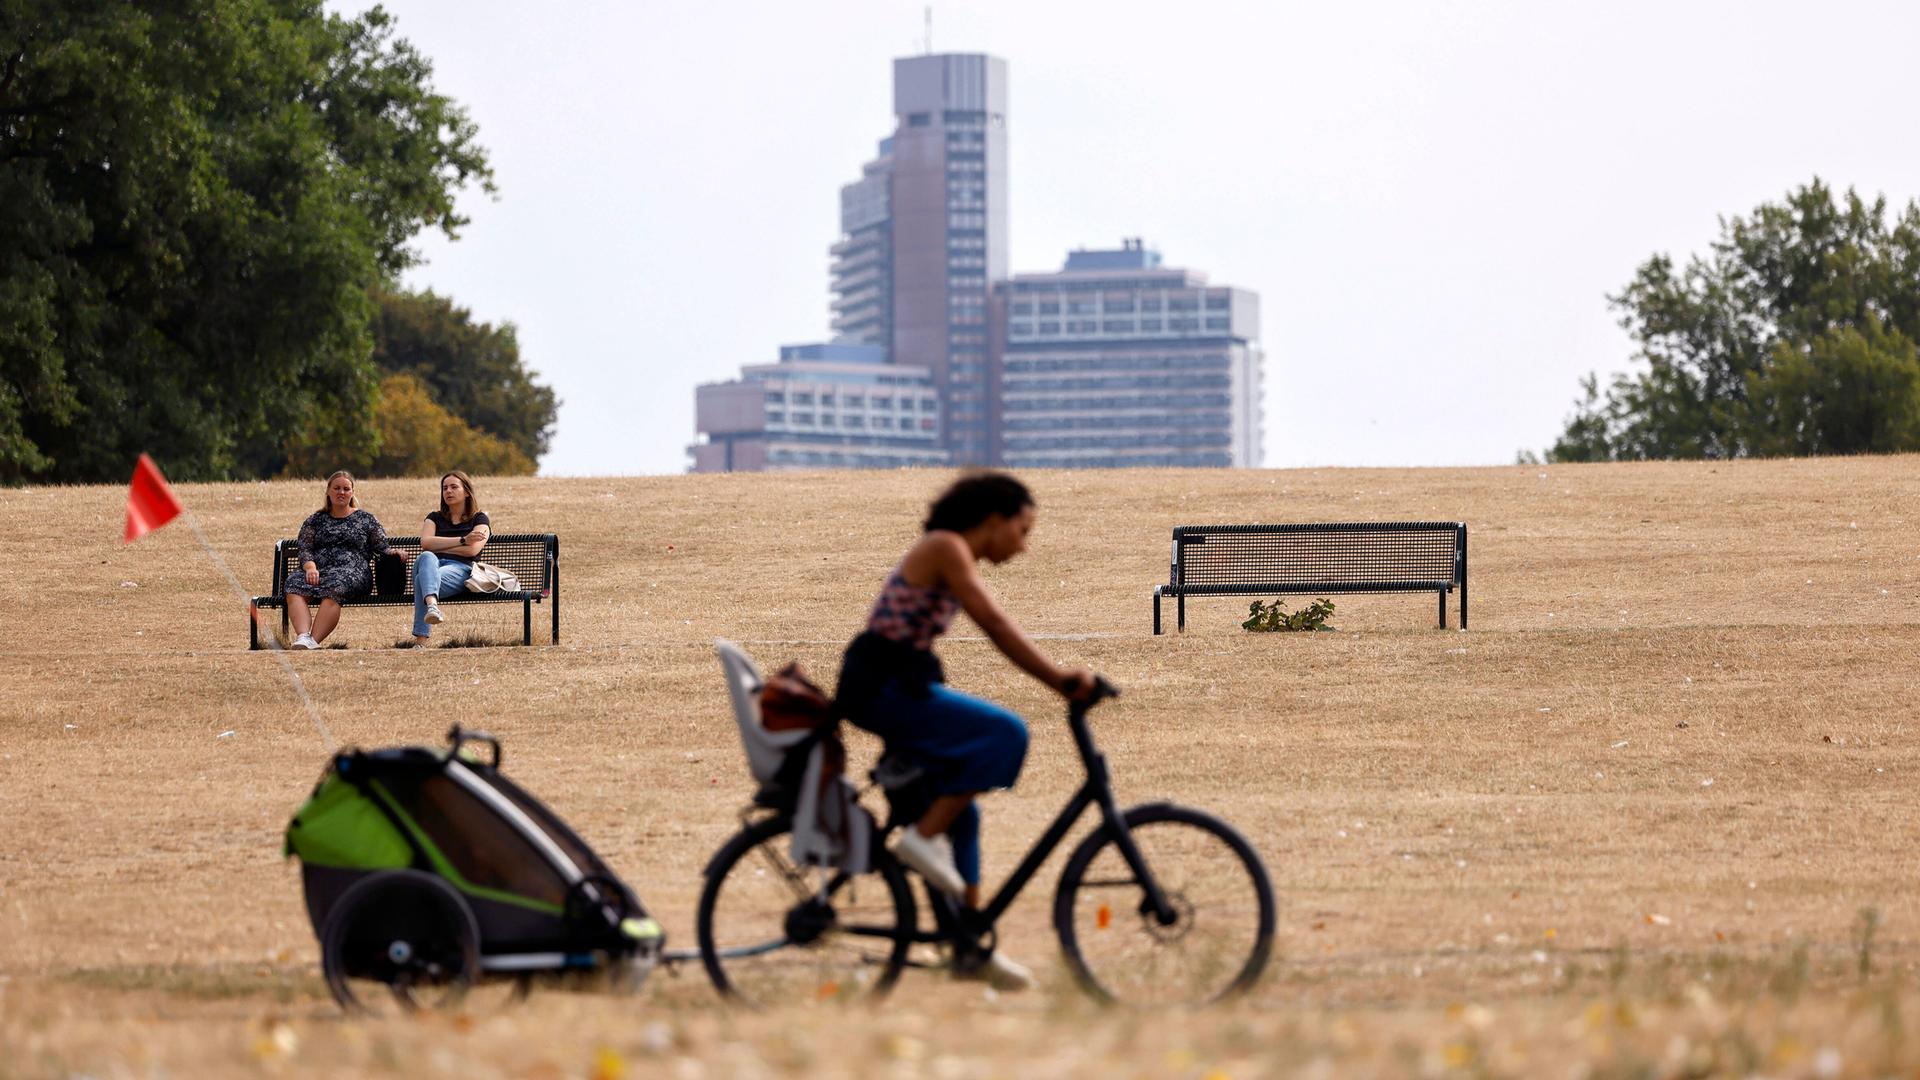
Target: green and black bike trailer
(427,871)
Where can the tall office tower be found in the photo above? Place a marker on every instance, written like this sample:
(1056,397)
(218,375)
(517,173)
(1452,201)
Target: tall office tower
(863,257)
(1117,361)
(948,221)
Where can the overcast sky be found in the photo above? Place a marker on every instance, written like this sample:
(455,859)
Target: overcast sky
(1432,200)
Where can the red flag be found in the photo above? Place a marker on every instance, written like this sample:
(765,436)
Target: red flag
(150,502)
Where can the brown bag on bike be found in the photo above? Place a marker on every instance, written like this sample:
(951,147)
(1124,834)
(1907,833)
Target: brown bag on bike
(791,701)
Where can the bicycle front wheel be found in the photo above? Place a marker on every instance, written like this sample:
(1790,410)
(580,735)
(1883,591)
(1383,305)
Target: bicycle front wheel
(776,933)
(1222,931)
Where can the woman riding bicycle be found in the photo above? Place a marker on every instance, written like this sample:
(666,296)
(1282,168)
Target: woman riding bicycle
(892,684)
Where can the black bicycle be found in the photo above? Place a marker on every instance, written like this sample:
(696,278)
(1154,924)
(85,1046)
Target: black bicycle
(1161,905)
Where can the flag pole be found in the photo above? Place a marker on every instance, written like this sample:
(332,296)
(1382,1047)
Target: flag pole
(151,503)
(273,639)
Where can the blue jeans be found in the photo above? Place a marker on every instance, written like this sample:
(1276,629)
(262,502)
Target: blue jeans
(970,745)
(434,577)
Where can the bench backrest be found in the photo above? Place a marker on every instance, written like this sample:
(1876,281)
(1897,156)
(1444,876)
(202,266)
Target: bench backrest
(1358,556)
(530,556)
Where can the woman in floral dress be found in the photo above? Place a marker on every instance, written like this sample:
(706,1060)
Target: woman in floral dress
(337,545)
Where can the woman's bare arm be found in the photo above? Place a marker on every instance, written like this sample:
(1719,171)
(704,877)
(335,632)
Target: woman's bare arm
(439,545)
(948,556)
(474,543)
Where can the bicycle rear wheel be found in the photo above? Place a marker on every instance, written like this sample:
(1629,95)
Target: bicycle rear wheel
(1222,933)
(775,933)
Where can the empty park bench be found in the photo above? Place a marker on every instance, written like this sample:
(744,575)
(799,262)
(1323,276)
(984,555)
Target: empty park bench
(1349,557)
(534,558)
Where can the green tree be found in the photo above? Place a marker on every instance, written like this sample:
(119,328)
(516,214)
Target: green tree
(472,369)
(1794,336)
(1845,392)
(196,201)
(416,437)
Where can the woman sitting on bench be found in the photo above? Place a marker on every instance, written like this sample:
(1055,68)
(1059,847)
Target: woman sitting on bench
(450,539)
(338,543)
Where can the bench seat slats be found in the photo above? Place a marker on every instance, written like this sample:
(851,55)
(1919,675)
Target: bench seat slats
(1327,557)
(1249,588)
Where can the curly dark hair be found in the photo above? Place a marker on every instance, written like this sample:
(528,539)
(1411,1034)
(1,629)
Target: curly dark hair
(974,498)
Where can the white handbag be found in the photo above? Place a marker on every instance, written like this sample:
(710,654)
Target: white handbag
(487,578)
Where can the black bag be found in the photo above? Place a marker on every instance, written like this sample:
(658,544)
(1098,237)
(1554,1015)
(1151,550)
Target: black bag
(390,574)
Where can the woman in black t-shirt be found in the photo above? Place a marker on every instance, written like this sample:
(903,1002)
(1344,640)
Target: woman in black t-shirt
(450,539)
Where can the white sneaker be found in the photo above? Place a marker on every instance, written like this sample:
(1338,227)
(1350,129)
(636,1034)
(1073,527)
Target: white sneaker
(932,857)
(1004,973)
(305,641)
(434,618)
(999,971)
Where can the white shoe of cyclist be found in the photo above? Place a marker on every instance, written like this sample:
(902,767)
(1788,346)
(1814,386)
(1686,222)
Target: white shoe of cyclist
(305,641)
(931,856)
(1006,974)
(1000,971)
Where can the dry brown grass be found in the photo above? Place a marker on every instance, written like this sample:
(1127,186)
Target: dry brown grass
(1630,822)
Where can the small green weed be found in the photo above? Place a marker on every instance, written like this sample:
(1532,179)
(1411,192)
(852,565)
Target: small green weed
(1264,618)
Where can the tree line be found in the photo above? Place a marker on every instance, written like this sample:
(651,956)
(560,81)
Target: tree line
(1795,335)
(205,210)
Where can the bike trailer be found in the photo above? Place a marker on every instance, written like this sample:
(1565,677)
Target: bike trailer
(430,869)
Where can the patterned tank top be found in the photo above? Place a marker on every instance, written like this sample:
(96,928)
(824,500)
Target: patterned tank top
(911,615)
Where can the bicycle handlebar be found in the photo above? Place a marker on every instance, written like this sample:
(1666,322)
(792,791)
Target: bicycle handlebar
(1102,689)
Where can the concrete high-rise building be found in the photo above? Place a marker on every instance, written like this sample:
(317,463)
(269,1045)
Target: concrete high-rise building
(1113,361)
(863,257)
(947,209)
(838,406)
(1118,361)
(923,238)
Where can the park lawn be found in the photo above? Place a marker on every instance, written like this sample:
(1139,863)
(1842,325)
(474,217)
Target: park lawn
(1653,810)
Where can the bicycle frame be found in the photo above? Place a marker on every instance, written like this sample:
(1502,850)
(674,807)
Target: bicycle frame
(955,921)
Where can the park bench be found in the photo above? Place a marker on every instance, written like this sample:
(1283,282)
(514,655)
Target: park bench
(534,558)
(1345,557)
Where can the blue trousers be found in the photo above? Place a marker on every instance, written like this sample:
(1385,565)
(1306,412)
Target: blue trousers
(969,745)
(434,576)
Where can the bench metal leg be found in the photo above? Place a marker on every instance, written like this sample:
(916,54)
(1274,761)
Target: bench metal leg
(1156,613)
(1443,609)
(526,621)
(253,630)
(1181,602)
(1462,557)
